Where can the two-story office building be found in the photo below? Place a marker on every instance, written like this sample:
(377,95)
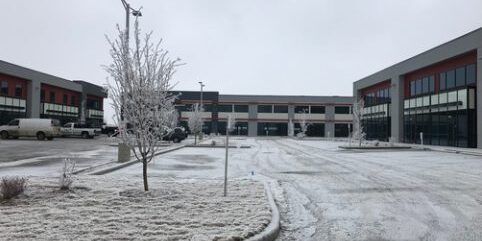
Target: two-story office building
(269,115)
(27,93)
(436,93)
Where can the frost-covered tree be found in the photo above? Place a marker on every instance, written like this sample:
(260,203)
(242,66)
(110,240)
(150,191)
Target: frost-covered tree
(66,173)
(139,85)
(303,122)
(195,121)
(358,132)
(291,128)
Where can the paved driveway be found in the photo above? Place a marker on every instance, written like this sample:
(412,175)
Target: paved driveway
(405,195)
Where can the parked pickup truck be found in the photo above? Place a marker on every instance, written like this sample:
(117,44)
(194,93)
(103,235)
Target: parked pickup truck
(76,129)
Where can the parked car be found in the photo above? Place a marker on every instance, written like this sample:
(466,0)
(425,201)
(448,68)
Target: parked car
(40,128)
(176,135)
(109,130)
(79,130)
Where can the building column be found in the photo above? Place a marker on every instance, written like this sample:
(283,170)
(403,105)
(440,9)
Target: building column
(329,121)
(252,123)
(396,111)
(291,113)
(83,108)
(33,99)
(479,97)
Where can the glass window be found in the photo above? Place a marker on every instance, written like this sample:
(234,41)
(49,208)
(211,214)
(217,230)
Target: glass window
(241,108)
(431,84)
(18,90)
(52,97)
(280,109)
(42,95)
(14,123)
(425,85)
(317,109)
(342,110)
(265,109)
(65,99)
(225,108)
(207,108)
(301,108)
(72,100)
(450,79)
(4,88)
(412,88)
(460,77)
(471,74)
(452,97)
(418,87)
(442,82)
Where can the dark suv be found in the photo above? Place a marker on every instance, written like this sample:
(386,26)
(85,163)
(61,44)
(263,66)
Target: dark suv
(176,135)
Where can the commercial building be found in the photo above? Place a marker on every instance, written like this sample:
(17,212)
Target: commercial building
(26,93)
(269,115)
(437,93)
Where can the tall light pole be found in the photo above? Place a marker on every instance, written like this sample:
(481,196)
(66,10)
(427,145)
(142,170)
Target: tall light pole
(136,13)
(201,100)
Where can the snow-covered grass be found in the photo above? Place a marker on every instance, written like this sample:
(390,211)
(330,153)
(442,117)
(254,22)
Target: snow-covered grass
(116,208)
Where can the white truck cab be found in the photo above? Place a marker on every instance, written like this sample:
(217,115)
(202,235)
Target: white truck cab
(76,129)
(40,128)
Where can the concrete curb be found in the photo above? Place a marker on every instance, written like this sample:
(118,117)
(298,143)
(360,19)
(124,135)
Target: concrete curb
(448,150)
(125,164)
(375,147)
(209,146)
(270,233)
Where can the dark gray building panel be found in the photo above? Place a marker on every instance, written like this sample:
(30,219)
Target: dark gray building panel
(466,44)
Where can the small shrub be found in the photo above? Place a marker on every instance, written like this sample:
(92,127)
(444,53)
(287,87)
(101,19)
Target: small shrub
(12,186)
(66,179)
(213,143)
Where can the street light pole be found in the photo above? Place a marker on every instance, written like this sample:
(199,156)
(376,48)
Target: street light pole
(201,99)
(136,13)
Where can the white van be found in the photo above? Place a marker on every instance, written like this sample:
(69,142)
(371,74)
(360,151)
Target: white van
(40,128)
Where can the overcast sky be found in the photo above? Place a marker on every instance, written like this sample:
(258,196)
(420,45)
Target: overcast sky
(292,47)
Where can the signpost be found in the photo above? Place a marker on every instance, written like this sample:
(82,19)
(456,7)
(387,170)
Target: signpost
(229,127)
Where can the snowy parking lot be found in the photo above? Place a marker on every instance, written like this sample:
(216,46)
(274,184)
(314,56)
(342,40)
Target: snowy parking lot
(325,193)
(329,194)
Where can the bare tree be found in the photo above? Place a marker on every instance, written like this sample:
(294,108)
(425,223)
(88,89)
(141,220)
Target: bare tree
(358,132)
(66,173)
(195,121)
(303,123)
(141,77)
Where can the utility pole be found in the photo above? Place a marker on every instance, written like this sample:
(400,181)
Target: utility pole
(123,153)
(201,99)
(136,13)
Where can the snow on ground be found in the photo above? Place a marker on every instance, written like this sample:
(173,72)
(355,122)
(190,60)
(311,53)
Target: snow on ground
(325,193)
(107,208)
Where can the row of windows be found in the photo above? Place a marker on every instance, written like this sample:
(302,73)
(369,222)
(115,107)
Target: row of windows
(65,98)
(380,96)
(459,77)
(313,109)
(219,108)
(455,78)
(342,110)
(457,99)
(268,109)
(4,89)
(91,104)
(421,86)
(450,128)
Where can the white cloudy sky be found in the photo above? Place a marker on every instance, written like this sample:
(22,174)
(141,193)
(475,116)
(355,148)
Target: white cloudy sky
(299,47)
